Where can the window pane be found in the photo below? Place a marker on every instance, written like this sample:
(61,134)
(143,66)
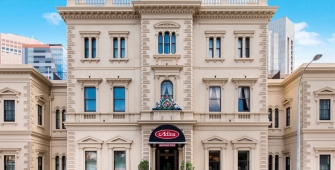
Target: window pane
(57,119)
(119,105)
(9,110)
(90,160)
(270,118)
(63,119)
(324,162)
(166,43)
(244,99)
(40,163)
(90,105)
(214,160)
(64,163)
(288,116)
(123,51)
(115,55)
(215,99)
(57,162)
(270,162)
(288,163)
(9,162)
(90,92)
(173,39)
(166,89)
(93,47)
(86,48)
(160,43)
(218,48)
(119,160)
(119,93)
(210,50)
(324,109)
(243,160)
(276,118)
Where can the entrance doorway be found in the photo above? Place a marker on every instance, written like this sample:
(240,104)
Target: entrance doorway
(167,158)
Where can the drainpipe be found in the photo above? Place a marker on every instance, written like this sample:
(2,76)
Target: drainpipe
(50,128)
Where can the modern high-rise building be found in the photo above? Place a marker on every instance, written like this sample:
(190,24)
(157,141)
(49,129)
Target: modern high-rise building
(11,47)
(49,59)
(281,46)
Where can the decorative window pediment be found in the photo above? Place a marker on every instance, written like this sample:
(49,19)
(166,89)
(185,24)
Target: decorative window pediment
(40,99)
(119,140)
(9,91)
(215,140)
(215,81)
(244,81)
(13,151)
(119,81)
(244,140)
(287,101)
(166,69)
(325,91)
(90,140)
(89,81)
(167,25)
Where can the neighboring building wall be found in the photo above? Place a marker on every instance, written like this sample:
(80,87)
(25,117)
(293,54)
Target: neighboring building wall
(49,59)
(281,45)
(11,48)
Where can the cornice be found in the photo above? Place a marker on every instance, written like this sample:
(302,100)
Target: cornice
(102,14)
(167,67)
(238,80)
(92,80)
(233,12)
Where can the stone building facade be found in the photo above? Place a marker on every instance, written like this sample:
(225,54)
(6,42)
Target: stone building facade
(166,82)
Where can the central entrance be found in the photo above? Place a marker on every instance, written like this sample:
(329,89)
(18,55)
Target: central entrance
(166,158)
(167,142)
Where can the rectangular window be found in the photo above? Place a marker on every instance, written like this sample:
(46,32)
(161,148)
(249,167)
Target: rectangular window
(90,99)
(276,162)
(115,47)
(57,162)
(123,48)
(276,118)
(247,47)
(39,114)
(9,163)
(287,163)
(288,116)
(9,111)
(324,109)
(270,118)
(214,160)
(239,47)
(243,99)
(87,50)
(243,160)
(40,163)
(90,160)
(211,51)
(214,99)
(324,162)
(94,47)
(63,119)
(119,160)
(218,48)
(270,162)
(63,163)
(119,99)
(57,119)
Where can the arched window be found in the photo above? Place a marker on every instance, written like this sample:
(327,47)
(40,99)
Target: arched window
(57,119)
(115,46)
(173,43)
(94,48)
(276,118)
(123,52)
(270,117)
(160,43)
(166,43)
(167,89)
(86,48)
(211,51)
(63,119)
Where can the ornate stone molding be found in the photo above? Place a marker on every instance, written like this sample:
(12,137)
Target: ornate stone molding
(118,81)
(325,91)
(95,81)
(232,128)
(239,81)
(167,25)
(126,14)
(85,127)
(215,81)
(40,99)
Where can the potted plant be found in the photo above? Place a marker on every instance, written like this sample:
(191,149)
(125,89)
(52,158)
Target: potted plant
(188,166)
(144,165)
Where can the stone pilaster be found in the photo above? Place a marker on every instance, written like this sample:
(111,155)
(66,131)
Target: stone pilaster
(145,67)
(188,67)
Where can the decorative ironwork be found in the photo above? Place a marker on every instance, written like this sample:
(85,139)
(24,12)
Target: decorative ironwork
(166,103)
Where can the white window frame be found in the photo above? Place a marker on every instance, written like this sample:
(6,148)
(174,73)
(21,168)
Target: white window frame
(244,143)
(89,35)
(40,100)
(90,144)
(9,94)
(324,151)
(9,151)
(325,93)
(119,144)
(215,35)
(244,82)
(215,143)
(119,82)
(89,82)
(244,34)
(211,82)
(119,35)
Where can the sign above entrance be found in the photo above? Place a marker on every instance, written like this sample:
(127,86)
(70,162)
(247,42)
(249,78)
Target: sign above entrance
(167,145)
(166,134)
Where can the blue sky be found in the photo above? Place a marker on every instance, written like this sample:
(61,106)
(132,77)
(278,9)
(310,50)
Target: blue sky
(314,19)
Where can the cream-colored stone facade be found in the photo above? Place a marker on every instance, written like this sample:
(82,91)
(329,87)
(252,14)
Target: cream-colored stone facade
(193,72)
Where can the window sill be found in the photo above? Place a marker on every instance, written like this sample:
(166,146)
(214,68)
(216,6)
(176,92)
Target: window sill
(325,121)
(119,60)
(275,129)
(90,59)
(243,60)
(41,127)
(215,60)
(9,123)
(287,127)
(59,130)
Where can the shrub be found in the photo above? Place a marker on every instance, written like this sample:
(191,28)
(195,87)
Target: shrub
(188,166)
(144,165)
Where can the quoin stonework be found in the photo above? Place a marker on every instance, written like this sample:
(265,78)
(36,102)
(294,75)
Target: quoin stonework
(166,82)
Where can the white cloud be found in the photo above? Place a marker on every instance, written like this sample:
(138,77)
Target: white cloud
(305,38)
(53,18)
(332,39)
